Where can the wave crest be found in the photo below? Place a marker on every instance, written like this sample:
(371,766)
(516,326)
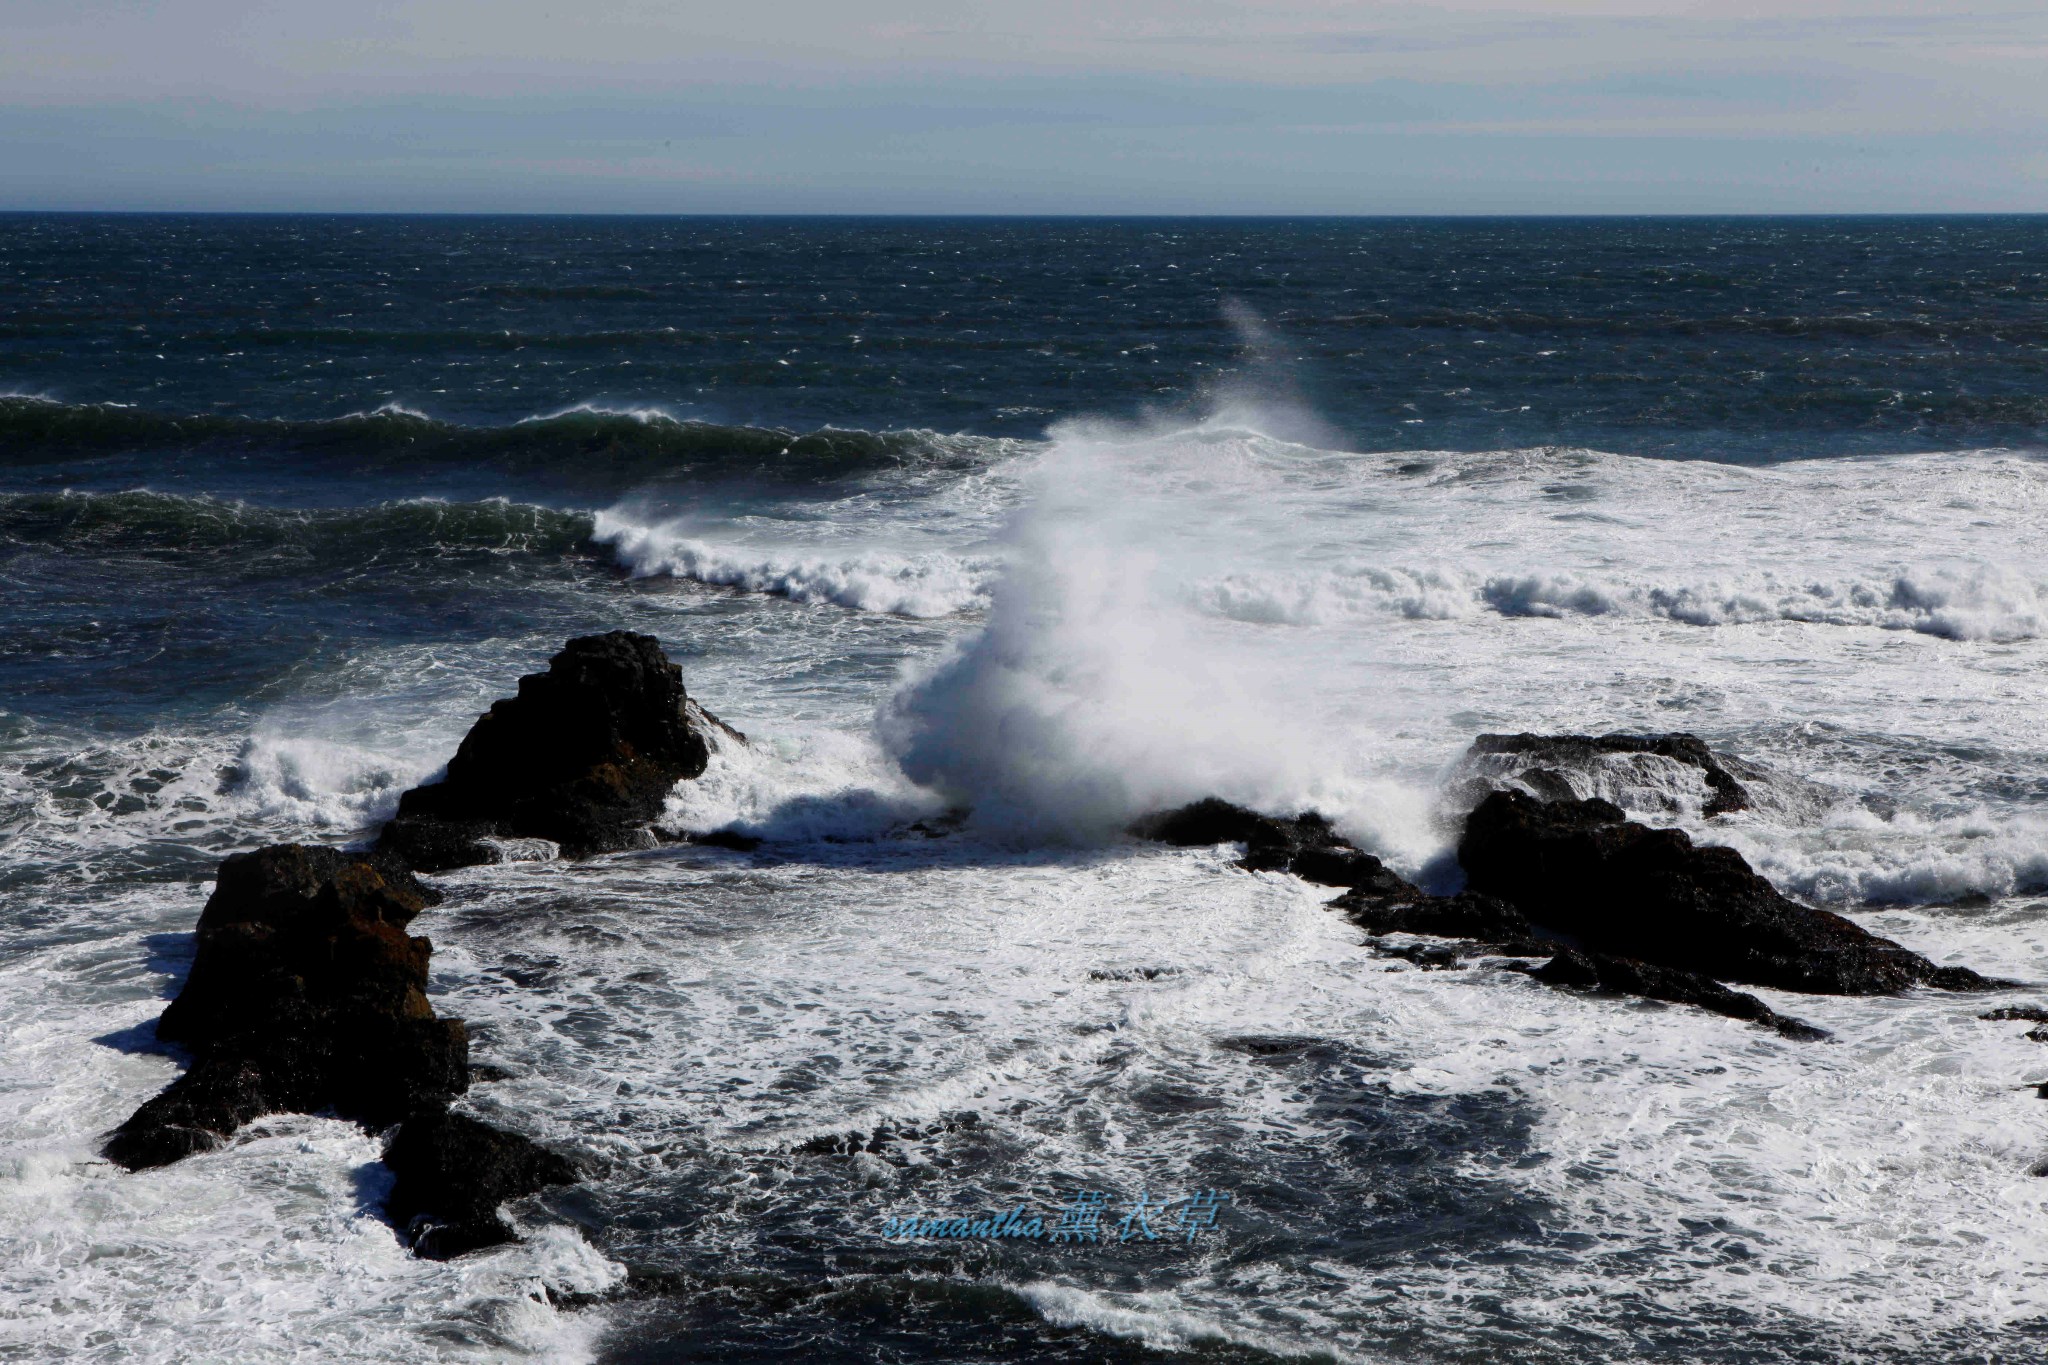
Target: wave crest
(920,585)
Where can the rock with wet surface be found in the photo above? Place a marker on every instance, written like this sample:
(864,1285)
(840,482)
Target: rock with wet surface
(1304,844)
(1599,971)
(454,1171)
(305,994)
(583,756)
(1541,762)
(1582,870)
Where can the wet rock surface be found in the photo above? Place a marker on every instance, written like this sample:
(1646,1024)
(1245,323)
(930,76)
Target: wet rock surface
(1304,845)
(1615,905)
(583,756)
(453,1172)
(1583,870)
(1552,755)
(306,994)
(1599,971)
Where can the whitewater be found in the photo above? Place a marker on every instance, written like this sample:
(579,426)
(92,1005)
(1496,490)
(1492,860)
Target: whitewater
(1117,619)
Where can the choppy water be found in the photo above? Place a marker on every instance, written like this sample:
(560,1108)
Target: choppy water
(1055,521)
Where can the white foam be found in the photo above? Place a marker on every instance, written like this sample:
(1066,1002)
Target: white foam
(918,585)
(270,1248)
(1978,602)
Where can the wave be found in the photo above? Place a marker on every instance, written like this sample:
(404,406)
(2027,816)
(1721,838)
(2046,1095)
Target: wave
(1857,857)
(1979,603)
(141,521)
(921,585)
(588,438)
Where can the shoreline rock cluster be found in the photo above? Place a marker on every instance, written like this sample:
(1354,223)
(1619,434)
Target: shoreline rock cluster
(307,995)
(1615,905)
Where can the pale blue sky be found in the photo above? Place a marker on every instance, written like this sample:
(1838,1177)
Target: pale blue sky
(1490,106)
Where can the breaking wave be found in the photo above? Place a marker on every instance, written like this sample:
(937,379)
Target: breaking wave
(920,585)
(1982,602)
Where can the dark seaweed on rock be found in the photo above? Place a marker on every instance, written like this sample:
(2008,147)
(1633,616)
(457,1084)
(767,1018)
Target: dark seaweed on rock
(1581,869)
(306,994)
(584,756)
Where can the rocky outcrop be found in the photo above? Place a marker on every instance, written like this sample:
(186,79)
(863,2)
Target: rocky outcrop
(582,756)
(1616,906)
(306,994)
(1304,845)
(1582,870)
(1542,761)
(1599,971)
(453,1172)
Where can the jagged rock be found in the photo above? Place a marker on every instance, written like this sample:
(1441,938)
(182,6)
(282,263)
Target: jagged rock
(1599,971)
(1304,845)
(583,757)
(1579,868)
(1583,752)
(1484,919)
(453,1171)
(305,994)
(2033,1014)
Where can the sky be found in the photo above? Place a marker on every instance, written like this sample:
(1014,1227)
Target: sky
(1056,106)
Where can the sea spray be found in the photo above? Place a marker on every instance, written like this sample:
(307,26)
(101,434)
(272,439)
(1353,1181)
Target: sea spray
(1092,694)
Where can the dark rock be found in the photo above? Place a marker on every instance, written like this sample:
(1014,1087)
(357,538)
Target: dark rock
(584,756)
(1578,868)
(1304,845)
(306,994)
(1584,751)
(1431,957)
(1599,971)
(2033,1014)
(1484,919)
(454,1171)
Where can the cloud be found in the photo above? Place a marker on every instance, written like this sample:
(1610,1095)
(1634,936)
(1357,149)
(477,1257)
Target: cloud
(968,105)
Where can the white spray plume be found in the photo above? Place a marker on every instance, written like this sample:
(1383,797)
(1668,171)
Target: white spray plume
(1099,689)
(1096,692)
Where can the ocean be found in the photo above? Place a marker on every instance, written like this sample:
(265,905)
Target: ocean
(992,535)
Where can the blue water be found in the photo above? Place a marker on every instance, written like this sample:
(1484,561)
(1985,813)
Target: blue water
(285,501)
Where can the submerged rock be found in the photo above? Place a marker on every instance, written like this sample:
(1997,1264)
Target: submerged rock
(306,994)
(1599,971)
(2033,1014)
(1581,869)
(582,756)
(453,1171)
